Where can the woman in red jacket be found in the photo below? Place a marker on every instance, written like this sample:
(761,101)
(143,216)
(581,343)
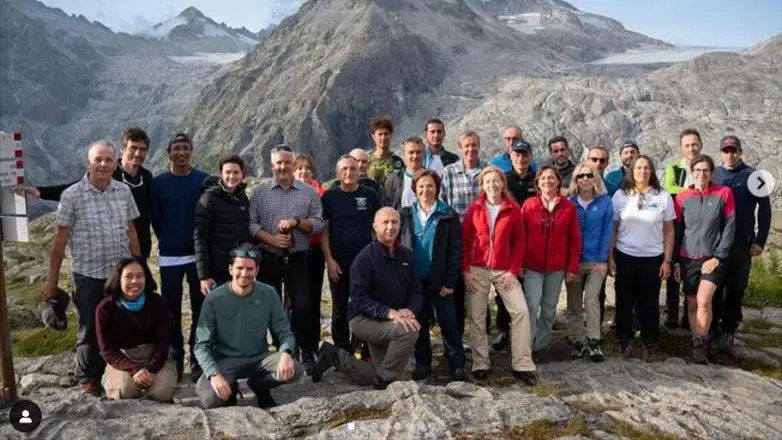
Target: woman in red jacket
(304,171)
(553,248)
(493,250)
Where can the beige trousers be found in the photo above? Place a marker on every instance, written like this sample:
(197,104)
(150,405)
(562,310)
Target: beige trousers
(119,384)
(584,293)
(520,335)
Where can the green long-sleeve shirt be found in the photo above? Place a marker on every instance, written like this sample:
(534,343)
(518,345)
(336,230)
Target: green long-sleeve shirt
(232,326)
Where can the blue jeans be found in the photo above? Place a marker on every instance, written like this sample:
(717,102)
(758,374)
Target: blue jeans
(542,292)
(445,311)
(171,278)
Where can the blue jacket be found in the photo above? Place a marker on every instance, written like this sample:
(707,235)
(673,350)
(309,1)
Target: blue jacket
(613,180)
(380,281)
(746,203)
(503,162)
(596,224)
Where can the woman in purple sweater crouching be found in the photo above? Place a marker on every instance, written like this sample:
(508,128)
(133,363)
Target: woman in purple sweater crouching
(133,329)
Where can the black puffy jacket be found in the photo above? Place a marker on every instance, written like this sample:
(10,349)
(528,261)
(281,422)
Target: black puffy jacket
(222,221)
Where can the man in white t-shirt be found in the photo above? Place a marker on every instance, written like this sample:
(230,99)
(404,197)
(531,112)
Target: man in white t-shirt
(397,190)
(436,157)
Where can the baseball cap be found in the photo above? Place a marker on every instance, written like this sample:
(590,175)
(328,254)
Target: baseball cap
(730,141)
(180,137)
(521,147)
(53,313)
(630,142)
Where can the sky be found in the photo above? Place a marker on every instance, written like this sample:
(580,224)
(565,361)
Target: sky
(714,23)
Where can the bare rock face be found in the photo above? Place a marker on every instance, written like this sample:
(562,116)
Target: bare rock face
(673,398)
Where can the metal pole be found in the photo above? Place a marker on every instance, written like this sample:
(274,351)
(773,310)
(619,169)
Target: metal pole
(7,378)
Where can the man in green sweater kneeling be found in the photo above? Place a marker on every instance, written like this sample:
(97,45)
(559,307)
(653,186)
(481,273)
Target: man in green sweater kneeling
(231,337)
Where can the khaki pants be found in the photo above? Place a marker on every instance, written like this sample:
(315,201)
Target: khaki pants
(390,346)
(584,289)
(520,335)
(119,384)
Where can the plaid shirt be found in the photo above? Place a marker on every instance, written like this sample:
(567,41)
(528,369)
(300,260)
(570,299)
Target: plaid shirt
(458,189)
(98,221)
(270,203)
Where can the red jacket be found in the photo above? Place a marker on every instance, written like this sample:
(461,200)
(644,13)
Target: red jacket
(503,250)
(553,239)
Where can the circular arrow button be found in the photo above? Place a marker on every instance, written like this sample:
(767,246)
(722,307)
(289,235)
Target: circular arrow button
(761,183)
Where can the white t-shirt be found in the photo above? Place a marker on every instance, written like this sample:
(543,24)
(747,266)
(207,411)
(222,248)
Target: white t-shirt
(408,195)
(494,211)
(436,164)
(423,215)
(641,230)
(584,203)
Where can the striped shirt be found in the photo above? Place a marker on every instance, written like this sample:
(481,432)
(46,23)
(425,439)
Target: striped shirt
(270,203)
(98,221)
(459,188)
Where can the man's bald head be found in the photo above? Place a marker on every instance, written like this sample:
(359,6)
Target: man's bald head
(362,157)
(386,225)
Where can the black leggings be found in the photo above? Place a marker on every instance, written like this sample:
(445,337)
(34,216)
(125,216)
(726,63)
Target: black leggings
(637,287)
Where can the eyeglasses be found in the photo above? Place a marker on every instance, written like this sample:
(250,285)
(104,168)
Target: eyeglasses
(245,253)
(133,185)
(598,159)
(585,176)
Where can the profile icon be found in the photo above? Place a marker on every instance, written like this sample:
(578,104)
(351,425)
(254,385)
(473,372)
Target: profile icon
(25,416)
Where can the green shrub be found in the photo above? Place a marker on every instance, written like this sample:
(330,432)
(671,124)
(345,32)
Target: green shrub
(765,282)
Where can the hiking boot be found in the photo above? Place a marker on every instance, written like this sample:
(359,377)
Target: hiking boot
(648,352)
(235,392)
(195,373)
(308,361)
(579,350)
(671,322)
(527,377)
(420,372)
(480,374)
(726,343)
(328,357)
(93,387)
(459,375)
(381,384)
(593,350)
(501,342)
(265,399)
(625,349)
(700,350)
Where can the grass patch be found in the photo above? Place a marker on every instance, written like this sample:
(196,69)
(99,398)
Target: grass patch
(630,431)
(45,341)
(756,325)
(360,413)
(766,340)
(543,389)
(765,280)
(538,430)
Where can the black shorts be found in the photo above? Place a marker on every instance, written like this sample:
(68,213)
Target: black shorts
(690,272)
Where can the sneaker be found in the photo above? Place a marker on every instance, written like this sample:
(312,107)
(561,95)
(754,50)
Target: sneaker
(593,349)
(501,342)
(420,372)
(700,351)
(527,377)
(328,357)
(459,375)
(579,350)
(93,387)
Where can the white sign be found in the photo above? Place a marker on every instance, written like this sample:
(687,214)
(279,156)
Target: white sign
(16,229)
(11,159)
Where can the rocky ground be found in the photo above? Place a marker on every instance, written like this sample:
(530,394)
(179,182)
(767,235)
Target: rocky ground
(736,397)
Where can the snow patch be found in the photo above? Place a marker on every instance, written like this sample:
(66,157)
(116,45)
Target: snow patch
(527,23)
(213,31)
(660,55)
(209,58)
(161,30)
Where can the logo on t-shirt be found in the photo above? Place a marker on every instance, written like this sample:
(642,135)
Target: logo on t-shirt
(361,203)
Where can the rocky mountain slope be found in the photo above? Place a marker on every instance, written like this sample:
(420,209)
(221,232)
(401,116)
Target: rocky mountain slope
(66,81)
(320,76)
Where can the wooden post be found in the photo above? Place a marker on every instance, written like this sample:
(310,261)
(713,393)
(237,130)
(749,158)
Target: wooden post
(7,378)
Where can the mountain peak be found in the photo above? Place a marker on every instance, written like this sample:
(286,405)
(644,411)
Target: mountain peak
(191,13)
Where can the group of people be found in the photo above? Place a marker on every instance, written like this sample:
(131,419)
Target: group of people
(402,241)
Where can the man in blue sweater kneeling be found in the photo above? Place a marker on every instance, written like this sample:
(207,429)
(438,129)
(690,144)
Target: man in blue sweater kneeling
(385,297)
(231,339)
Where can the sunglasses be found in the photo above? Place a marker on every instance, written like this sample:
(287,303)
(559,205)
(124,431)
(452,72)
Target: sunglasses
(245,253)
(585,176)
(598,159)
